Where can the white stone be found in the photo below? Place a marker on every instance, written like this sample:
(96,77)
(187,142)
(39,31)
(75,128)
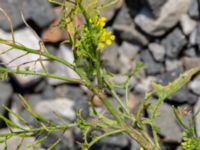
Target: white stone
(158,51)
(169,16)
(29,39)
(56,110)
(187,24)
(195,85)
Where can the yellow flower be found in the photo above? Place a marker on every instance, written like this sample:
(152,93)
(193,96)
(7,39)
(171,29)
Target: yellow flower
(104,37)
(141,148)
(101,45)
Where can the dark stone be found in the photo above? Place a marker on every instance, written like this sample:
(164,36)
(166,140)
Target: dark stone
(5,94)
(110,57)
(198,35)
(174,43)
(69,91)
(40,11)
(183,97)
(155,5)
(48,92)
(190,52)
(134,6)
(126,29)
(170,76)
(117,142)
(194,9)
(12,8)
(152,67)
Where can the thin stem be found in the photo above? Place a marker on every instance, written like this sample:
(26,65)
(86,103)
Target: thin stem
(38,52)
(135,134)
(70,80)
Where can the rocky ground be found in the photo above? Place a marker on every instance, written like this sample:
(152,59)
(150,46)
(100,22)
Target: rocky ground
(164,34)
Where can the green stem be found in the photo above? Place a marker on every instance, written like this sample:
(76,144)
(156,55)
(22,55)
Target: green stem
(70,80)
(38,52)
(111,109)
(138,136)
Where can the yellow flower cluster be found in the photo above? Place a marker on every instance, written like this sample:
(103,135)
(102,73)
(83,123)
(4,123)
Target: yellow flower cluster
(104,37)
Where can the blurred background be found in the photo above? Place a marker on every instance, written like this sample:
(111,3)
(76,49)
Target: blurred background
(164,34)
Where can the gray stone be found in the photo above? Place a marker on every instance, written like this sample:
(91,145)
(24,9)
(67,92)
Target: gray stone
(170,14)
(183,97)
(169,127)
(127,53)
(126,28)
(193,37)
(129,50)
(194,9)
(174,43)
(158,51)
(197,118)
(60,69)
(110,57)
(152,67)
(56,110)
(187,24)
(170,76)
(39,11)
(145,85)
(109,12)
(195,85)
(198,34)
(116,142)
(172,64)
(155,6)
(5,94)
(190,52)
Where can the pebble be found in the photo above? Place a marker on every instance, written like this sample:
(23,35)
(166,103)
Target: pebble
(56,110)
(60,69)
(5,94)
(158,51)
(174,43)
(42,16)
(187,24)
(126,28)
(194,86)
(155,6)
(152,67)
(170,14)
(194,9)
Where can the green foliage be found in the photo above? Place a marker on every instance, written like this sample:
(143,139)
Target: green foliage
(88,41)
